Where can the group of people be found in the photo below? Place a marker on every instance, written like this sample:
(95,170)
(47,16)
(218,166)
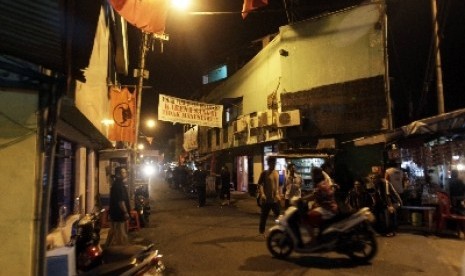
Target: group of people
(383,198)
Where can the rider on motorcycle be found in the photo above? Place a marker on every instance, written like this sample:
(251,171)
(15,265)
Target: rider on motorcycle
(324,207)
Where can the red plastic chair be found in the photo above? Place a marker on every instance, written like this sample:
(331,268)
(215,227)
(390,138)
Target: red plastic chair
(445,215)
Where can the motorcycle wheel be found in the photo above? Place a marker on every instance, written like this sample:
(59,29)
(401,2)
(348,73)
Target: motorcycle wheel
(279,244)
(363,246)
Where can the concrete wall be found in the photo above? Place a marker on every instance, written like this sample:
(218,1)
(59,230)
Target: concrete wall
(18,180)
(342,47)
(334,49)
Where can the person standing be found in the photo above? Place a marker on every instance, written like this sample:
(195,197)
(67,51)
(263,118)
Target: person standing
(270,194)
(225,185)
(358,197)
(456,192)
(119,209)
(395,176)
(200,181)
(387,201)
(293,185)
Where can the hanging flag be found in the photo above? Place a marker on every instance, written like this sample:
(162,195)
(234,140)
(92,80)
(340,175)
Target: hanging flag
(148,15)
(250,5)
(123,112)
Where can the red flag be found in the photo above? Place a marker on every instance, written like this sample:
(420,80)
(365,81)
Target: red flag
(123,112)
(250,5)
(148,15)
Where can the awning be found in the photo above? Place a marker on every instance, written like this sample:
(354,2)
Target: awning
(436,124)
(74,126)
(442,124)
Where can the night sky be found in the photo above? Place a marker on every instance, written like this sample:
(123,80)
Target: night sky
(199,42)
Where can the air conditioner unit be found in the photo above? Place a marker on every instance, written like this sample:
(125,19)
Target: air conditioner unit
(239,125)
(288,118)
(265,118)
(253,122)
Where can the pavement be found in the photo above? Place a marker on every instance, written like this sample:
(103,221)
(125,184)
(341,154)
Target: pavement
(241,200)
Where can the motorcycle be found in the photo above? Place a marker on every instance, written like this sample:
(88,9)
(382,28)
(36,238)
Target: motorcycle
(142,204)
(350,235)
(91,259)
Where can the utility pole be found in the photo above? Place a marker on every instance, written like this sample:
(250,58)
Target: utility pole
(140,73)
(439,84)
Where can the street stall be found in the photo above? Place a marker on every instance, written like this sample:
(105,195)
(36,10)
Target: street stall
(428,150)
(305,161)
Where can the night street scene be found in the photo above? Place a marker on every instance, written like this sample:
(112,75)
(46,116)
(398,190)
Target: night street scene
(232,137)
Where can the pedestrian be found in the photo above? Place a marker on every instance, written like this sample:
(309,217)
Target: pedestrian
(456,192)
(225,185)
(359,197)
(200,182)
(395,176)
(119,209)
(387,201)
(293,185)
(270,194)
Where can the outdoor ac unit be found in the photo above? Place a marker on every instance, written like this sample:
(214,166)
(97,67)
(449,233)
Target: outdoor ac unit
(265,118)
(288,118)
(253,122)
(239,125)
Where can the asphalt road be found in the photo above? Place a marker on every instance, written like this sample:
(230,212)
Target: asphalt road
(216,240)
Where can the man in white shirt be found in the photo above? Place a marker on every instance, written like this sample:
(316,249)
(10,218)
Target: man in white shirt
(395,176)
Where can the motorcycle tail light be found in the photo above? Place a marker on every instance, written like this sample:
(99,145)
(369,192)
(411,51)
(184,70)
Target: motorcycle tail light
(94,251)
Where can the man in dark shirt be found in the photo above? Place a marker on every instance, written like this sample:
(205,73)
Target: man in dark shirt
(456,192)
(200,182)
(119,209)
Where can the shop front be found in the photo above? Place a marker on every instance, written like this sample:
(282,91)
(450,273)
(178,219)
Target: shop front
(429,151)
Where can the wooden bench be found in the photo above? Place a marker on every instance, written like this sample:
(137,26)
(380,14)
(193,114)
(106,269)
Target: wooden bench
(428,210)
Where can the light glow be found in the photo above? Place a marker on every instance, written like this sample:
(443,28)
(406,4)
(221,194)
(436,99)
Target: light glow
(181,5)
(150,123)
(148,170)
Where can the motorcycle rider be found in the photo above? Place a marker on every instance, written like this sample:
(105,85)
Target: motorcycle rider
(324,207)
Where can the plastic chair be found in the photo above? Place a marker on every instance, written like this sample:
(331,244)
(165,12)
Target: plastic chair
(445,214)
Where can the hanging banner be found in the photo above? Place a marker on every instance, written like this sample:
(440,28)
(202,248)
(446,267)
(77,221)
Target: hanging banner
(123,112)
(189,112)
(148,15)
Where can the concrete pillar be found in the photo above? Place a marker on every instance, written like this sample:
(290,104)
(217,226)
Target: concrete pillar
(91,188)
(80,177)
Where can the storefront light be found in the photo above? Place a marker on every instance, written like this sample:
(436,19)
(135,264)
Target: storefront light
(460,167)
(455,157)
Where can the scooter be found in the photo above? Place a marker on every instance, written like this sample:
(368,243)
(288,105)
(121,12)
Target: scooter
(351,235)
(115,260)
(142,204)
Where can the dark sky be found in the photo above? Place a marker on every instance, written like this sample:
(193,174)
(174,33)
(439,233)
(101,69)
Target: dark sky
(199,42)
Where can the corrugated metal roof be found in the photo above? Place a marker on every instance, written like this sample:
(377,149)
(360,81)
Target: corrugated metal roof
(32,30)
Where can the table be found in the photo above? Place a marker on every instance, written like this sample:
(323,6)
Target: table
(428,210)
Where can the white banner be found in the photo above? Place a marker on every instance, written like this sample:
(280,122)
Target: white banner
(189,112)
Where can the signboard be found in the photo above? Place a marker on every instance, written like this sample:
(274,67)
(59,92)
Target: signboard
(189,112)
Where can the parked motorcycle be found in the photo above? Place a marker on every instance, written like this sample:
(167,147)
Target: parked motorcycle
(116,260)
(351,235)
(142,204)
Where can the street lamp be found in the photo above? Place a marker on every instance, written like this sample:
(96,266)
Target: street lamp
(150,123)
